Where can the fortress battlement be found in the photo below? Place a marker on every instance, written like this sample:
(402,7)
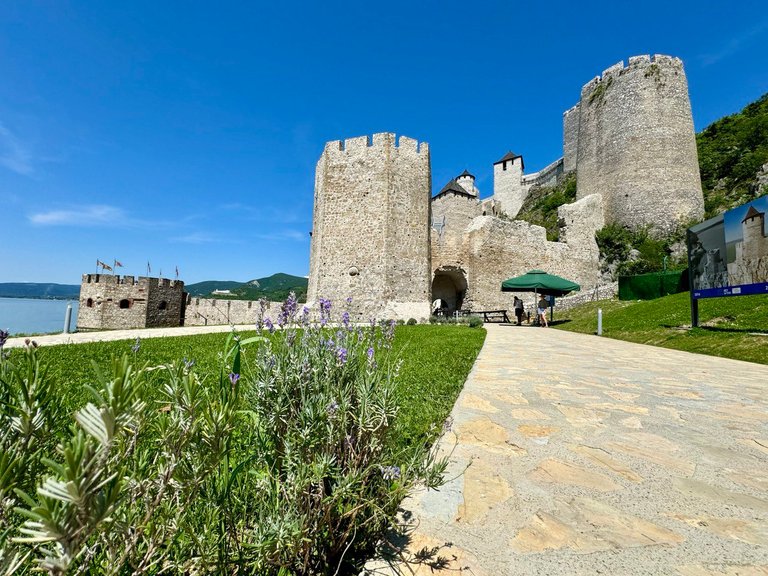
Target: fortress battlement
(128,280)
(643,61)
(378,142)
(572,110)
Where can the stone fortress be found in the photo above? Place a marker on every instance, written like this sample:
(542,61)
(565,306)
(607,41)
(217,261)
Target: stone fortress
(113,302)
(110,302)
(380,238)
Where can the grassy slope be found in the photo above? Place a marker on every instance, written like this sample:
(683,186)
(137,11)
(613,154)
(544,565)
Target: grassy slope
(727,324)
(731,151)
(436,362)
(275,288)
(540,206)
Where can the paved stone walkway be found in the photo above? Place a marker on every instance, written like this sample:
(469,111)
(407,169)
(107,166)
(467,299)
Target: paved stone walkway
(576,454)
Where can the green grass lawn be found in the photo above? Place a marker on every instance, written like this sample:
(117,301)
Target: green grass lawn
(436,360)
(735,327)
(289,458)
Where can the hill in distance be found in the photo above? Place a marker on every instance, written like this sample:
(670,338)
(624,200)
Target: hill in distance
(274,288)
(39,290)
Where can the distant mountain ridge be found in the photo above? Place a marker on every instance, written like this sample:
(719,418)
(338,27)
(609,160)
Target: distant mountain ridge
(274,288)
(39,290)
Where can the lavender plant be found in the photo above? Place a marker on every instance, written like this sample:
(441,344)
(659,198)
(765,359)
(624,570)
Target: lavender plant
(281,463)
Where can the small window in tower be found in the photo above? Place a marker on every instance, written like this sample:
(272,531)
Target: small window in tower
(125,303)
(89,303)
(163,305)
(504,166)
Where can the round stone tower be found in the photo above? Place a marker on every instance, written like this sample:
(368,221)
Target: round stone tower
(370,236)
(636,145)
(467,181)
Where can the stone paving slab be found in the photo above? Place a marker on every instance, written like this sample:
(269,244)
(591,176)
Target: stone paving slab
(574,454)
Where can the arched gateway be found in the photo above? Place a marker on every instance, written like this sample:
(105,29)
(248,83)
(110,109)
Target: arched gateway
(449,284)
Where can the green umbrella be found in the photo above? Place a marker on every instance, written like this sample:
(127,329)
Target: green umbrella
(540,282)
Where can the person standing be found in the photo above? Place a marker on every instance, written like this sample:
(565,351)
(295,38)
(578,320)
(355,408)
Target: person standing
(518,305)
(542,311)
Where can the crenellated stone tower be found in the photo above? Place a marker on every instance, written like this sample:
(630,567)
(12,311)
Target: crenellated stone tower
(112,302)
(371,233)
(631,139)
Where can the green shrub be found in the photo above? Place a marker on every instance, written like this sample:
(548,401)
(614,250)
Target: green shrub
(475,321)
(412,322)
(278,461)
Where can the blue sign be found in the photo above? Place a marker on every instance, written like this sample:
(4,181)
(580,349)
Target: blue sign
(728,254)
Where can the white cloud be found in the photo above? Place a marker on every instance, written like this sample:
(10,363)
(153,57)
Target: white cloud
(196,238)
(734,45)
(93,215)
(283,235)
(13,154)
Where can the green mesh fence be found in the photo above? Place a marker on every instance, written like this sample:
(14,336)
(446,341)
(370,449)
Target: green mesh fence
(654,285)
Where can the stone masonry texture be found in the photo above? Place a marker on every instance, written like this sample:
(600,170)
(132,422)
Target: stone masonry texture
(116,302)
(370,237)
(636,145)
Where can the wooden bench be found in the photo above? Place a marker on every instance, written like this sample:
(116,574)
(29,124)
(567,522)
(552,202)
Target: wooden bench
(493,315)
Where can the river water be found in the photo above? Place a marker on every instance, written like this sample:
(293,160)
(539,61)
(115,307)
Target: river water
(35,316)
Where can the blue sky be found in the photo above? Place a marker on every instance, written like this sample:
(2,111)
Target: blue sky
(186,133)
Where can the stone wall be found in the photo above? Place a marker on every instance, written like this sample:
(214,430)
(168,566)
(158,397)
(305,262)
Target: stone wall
(550,175)
(371,229)
(213,311)
(112,302)
(636,144)
(570,138)
(491,249)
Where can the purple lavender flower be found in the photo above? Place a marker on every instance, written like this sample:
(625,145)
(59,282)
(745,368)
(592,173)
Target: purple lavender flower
(188,363)
(390,472)
(233,378)
(370,354)
(269,326)
(345,320)
(289,306)
(349,300)
(341,355)
(325,311)
(4,334)
(332,408)
(305,315)
(136,346)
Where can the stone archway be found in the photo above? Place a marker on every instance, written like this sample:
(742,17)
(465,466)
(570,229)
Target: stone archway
(449,284)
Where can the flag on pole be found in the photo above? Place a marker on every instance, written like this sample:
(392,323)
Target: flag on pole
(104,265)
(149,268)
(177,272)
(118,264)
